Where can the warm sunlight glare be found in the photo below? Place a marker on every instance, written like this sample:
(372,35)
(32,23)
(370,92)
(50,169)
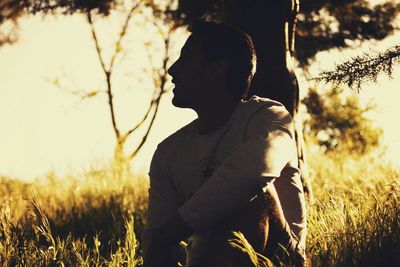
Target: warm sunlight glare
(44,127)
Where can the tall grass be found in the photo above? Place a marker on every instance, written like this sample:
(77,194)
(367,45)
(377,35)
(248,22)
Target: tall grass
(95,218)
(87,220)
(355,220)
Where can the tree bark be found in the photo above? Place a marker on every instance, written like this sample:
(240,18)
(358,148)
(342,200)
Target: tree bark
(271,25)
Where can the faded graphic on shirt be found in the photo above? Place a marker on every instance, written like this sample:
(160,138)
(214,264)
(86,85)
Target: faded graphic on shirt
(206,169)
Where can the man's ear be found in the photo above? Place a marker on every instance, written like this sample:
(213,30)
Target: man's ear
(217,69)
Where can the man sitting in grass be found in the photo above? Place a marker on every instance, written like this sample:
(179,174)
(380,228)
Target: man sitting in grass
(234,168)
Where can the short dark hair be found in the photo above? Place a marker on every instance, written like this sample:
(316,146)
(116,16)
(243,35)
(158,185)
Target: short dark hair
(221,41)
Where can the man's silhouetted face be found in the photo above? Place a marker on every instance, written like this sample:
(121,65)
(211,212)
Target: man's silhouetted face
(192,75)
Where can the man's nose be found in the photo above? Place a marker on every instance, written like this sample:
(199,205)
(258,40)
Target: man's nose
(172,69)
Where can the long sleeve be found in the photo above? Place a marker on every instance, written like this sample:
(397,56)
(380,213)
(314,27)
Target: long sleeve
(163,198)
(267,148)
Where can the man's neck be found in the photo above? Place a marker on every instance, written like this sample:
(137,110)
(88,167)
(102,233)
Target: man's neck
(215,114)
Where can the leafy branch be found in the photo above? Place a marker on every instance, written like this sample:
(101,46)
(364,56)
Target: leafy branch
(363,68)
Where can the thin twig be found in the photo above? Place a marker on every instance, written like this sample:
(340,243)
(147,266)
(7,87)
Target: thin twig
(122,35)
(140,123)
(96,41)
(163,78)
(157,105)
(108,77)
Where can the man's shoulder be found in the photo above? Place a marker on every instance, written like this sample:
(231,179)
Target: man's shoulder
(256,104)
(177,137)
(261,114)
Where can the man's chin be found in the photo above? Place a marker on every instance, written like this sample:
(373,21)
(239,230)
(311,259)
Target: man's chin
(179,103)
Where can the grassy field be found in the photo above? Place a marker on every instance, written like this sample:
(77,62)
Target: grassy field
(95,218)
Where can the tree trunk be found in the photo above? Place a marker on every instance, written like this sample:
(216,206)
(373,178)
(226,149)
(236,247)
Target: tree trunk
(271,25)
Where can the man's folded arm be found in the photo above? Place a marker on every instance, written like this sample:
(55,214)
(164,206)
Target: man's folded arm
(258,161)
(163,198)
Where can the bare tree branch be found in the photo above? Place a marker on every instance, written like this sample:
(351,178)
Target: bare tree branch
(82,94)
(140,123)
(157,105)
(162,77)
(122,35)
(96,42)
(108,77)
(163,82)
(159,75)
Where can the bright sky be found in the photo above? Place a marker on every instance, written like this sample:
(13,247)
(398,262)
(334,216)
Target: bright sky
(44,128)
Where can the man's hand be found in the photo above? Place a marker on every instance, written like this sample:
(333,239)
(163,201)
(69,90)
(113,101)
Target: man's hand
(170,234)
(174,231)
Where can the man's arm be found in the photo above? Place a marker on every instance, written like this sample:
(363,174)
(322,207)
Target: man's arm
(240,177)
(162,206)
(269,146)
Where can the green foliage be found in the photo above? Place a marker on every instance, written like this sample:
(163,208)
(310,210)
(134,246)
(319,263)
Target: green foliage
(339,123)
(11,9)
(321,25)
(190,10)
(364,68)
(326,24)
